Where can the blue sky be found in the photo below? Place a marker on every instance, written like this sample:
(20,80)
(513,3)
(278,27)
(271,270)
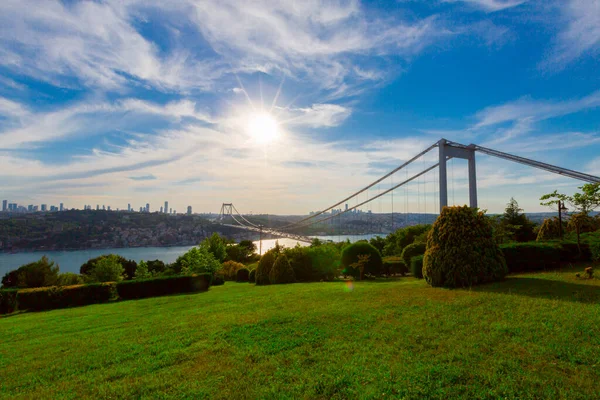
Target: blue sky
(131,101)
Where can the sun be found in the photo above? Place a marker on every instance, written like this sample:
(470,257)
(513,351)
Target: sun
(263,128)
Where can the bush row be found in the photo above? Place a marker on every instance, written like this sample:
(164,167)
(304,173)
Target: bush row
(536,256)
(54,297)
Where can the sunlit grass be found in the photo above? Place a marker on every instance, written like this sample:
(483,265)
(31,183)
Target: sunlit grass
(532,336)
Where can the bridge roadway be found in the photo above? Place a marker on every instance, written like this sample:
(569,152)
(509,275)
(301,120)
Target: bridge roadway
(273,232)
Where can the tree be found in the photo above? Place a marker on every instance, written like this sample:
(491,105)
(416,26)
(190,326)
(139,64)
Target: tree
(107,269)
(361,263)
(128,265)
(350,254)
(585,202)
(216,245)
(516,225)
(142,271)
(36,274)
(378,242)
(197,260)
(265,264)
(69,279)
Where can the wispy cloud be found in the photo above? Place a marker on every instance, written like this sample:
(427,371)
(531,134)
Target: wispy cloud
(143,178)
(491,5)
(579,34)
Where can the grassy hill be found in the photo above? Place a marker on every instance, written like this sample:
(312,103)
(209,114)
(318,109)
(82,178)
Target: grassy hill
(532,336)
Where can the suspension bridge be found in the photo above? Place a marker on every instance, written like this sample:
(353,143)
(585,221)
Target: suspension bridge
(446,151)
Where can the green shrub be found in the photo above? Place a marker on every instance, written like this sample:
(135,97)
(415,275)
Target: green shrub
(229,270)
(595,251)
(252,276)
(197,260)
(461,250)
(107,269)
(394,265)
(531,256)
(416,266)
(301,263)
(325,260)
(282,271)
(129,266)
(550,229)
(53,297)
(8,301)
(142,288)
(69,279)
(265,265)
(350,256)
(243,275)
(36,274)
(413,249)
(397,241)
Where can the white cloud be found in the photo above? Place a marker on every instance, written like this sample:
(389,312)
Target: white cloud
(491,5)
(317,115)
(579,34)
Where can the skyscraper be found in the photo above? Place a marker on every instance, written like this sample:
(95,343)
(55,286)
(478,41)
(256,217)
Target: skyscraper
(97,207)
(128,207)
(30,208)
(61,207)
(189,210)
(4,205)
(161,209)
(44,207)
(166,207)
(147,207)
(170,211)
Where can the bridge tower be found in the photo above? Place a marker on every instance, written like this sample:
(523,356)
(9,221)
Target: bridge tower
(448,151)
(226,209)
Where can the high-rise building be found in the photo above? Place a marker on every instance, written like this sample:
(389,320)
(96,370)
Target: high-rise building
(128,207)
(161,209)
(97,207)
(170,211)
(108,208)
(147,207)
(30,208)
(44,207)
(35,208)
(61,207)
(141,209)
(12,206)
(189,210)
(4,205)
(166,207)
(346,206)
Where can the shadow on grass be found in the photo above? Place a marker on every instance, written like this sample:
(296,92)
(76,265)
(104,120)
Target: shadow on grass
(545,289)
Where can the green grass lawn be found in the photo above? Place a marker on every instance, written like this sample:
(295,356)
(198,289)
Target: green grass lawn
(532,336)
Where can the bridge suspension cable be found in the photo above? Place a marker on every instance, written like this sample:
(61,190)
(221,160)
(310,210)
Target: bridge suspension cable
(363,189)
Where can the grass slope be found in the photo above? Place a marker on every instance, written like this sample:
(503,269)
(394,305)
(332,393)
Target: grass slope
(532,336)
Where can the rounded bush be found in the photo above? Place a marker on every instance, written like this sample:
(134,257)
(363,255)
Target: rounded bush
(264,267)
(282,271)
(217,280)
(229,270)
(549,230)
(416,266)
(413,249)
(350,257)
(461,250)
(252,276)
(243,275)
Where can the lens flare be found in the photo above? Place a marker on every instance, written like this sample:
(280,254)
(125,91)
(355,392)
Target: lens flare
(349,287)
(263,128)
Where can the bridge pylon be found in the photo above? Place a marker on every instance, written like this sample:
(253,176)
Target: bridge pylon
(226,209)
(447,151)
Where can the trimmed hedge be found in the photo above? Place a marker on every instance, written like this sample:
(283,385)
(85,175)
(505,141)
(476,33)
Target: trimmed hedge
(394,265)
(537,256)
(252,277)
(49,298)
(217,280)
(243,275)
(138,289)
(416,266)
(412,250)
(8,301)
(350,255)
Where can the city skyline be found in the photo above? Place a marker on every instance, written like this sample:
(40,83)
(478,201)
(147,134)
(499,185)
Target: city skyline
(287,107)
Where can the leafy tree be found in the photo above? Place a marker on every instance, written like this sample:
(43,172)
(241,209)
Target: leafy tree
(266,264)
(198,260)
(515,225)
(128,265)
(579,223)
(325,261)
(241,252)
(69,279)
(142,271)
(378,242)
(397,241)
(107,269)
(229,270)
(316,242)
(156,267)
(585,202)
(216,245)
(36,274)
(361,263)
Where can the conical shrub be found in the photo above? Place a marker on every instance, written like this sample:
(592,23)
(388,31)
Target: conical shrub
(282,271)
(550,229)
(264,267)
(461,250)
